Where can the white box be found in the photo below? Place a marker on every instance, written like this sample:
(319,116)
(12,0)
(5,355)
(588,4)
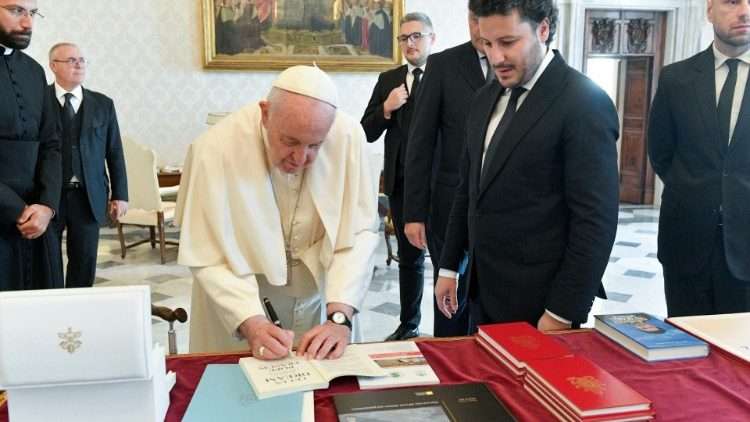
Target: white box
(81,355)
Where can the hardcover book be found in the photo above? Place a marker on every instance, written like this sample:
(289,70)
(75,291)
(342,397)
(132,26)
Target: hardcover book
(440,403)
(293,374)
(402,360)
(649,337)
(584,387)
(519,343)
(223,394)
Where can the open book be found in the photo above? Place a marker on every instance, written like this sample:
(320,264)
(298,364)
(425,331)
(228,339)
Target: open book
(292,374)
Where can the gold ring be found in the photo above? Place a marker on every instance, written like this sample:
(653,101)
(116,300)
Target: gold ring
(261,350)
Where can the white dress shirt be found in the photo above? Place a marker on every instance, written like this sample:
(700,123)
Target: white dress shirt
(722,71)
(75,100)
(410,75)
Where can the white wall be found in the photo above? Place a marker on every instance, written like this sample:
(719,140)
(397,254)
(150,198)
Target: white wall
(147,56)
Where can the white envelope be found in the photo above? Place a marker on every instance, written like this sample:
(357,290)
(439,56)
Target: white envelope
(75,336)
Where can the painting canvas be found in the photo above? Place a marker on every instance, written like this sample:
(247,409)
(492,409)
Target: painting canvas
(336,35)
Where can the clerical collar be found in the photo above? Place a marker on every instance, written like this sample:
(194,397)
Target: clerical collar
(8,50)
(720,58)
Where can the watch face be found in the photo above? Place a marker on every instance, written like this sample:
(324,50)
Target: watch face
(339,317)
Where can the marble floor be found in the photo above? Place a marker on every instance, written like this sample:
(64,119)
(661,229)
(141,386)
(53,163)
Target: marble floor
(633,279)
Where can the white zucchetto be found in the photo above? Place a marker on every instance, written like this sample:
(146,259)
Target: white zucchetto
(309,81)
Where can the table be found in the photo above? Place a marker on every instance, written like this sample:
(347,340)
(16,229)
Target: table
(168,178)
(712,388)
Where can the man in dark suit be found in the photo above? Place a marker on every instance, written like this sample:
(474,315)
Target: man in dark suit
(538,201)
(390,109)
(436,140)
(91,139)
(29,158)
(699,144)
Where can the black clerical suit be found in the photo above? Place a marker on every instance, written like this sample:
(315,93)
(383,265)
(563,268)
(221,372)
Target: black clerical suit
(539,224)
(29,171)
(436,141)
(704,226)
(91,146)
(411,259)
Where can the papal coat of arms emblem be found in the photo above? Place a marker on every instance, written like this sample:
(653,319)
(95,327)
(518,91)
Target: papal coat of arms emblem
(70,340)
(588,384)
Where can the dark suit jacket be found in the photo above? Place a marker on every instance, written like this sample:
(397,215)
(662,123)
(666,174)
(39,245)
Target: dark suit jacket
(701,174)
(100,144)
(396,127)
(540,227)
(437,133)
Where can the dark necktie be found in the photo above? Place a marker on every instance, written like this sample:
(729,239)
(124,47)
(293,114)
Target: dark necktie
(724,109)
(510,111)
(417,72)
(489,75)
(69,112)
(71,156)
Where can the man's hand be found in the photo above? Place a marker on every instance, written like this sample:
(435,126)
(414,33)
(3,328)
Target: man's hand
(117,209)
(34,220)
(395,100)
(325,341)
(266,341)
(446,297)
(548,323)
(415,232)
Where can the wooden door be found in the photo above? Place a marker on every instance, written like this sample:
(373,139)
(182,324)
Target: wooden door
(635,169)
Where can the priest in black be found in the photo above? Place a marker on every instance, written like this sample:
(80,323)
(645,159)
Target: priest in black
(29,158)
(390,110)
(91,150)
(699,145)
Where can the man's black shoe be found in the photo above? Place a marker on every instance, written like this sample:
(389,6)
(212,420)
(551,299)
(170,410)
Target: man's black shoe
(403,332)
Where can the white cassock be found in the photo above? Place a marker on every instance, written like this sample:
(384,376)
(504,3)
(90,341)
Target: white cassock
(231,226)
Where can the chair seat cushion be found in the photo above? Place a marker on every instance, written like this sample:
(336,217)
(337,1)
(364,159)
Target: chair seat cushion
(148,217)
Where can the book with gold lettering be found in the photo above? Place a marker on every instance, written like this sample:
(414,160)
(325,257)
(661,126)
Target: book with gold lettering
(580,390)
(292,374)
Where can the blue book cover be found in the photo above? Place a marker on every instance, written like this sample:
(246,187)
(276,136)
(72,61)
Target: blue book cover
(650,331)
(223,394)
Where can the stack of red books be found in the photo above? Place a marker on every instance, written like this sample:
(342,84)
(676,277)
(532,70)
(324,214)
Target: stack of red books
(575,389)
(516,343)
(571,387)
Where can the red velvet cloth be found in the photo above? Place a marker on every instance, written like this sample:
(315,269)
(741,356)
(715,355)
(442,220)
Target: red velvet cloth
(714,388)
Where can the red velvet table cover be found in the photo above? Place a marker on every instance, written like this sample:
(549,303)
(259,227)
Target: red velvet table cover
(714,388)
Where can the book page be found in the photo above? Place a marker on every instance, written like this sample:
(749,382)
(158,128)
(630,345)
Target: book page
(353,362)
(270,378)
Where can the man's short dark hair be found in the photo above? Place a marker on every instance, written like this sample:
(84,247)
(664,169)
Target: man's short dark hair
(531,11)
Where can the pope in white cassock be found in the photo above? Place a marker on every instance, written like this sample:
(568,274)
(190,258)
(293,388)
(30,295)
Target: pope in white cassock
(278,201)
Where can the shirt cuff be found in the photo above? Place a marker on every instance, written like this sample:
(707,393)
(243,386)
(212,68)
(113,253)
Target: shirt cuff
(557,317)
(447,273)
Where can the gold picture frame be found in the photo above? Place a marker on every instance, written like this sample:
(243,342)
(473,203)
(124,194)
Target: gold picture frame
(336,35)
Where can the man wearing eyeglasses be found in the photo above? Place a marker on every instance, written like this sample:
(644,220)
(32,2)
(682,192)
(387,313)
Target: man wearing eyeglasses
(436,140)
(390,109)
(91,146)
(29,157)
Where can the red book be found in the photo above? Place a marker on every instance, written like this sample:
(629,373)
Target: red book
(519,342)
(564,414)
(585,388)
(518,373)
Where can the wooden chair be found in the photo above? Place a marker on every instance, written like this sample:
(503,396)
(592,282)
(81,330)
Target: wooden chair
(145,206)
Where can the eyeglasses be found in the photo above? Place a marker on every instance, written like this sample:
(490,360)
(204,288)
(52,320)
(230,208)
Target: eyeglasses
(73,61)
(414,37)
(18,11)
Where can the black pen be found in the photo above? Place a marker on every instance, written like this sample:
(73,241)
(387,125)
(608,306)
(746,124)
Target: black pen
(273,317)
(272,313)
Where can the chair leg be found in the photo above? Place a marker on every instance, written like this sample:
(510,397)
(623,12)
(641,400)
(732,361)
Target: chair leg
(152,231)
(122,240)
(160,220)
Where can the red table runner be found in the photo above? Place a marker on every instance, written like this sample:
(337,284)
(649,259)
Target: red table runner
(713,388)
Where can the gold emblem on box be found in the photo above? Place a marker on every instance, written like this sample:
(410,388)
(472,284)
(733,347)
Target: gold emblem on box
(588,384)
(70,340)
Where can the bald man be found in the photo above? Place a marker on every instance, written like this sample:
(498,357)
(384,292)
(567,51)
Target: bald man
(279,203)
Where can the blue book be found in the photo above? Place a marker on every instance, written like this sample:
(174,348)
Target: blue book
(649,337)
(223,394)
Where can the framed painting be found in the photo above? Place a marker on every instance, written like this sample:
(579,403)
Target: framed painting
(336,35)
